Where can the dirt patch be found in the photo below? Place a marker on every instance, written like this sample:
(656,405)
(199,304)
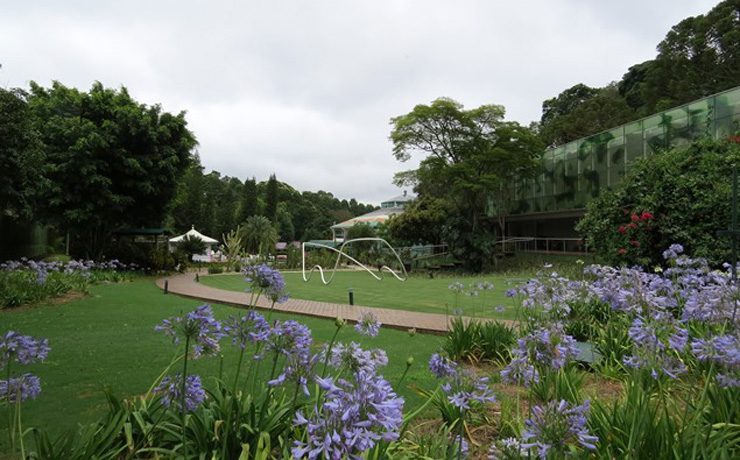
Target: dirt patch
(68,297)
(53,302)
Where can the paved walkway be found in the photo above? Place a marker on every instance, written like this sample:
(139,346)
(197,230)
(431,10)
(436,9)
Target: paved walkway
(185,285)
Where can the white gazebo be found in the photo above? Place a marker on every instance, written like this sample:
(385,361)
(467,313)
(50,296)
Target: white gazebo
(193,233)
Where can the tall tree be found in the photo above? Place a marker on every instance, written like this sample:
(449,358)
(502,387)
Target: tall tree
(187,207)
(250,200)
(259,235)
(21,156)
(699,56)
(565,102)
(284,221)
(469,155)
(110,161)
(271,198)
(604,110)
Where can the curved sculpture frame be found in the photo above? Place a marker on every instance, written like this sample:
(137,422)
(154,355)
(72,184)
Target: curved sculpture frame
(340,252)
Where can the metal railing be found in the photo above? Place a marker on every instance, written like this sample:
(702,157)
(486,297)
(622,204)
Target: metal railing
(547,245)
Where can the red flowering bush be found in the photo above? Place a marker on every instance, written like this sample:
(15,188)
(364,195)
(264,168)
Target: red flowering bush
(634,239)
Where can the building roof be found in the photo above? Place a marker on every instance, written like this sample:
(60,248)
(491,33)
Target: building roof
(372,218)
(400,198)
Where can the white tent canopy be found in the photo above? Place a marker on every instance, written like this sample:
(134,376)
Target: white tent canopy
(193,233)
(209,256)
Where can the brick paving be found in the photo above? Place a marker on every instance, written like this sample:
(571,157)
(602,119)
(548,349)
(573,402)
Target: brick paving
(185,285)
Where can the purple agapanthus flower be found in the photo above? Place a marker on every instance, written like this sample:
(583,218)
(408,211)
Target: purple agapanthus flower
(724,350)
(657,343)
(545,348)
(299,369)
(673,252)
(171,390)
(456,287)
(247,329)
(557,426)
(199,326)
(520,371)
(462,444)
(511,292)
(368,325)
(355,359)
(507,449)
(23,387)
(463,388)
(22,349)
(442,366)
(267,281)
(289,338)
(354,416)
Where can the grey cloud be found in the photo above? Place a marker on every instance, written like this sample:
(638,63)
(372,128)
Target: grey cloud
(306,89)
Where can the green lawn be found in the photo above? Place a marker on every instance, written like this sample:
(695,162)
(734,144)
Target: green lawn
(415,294)
(107,339)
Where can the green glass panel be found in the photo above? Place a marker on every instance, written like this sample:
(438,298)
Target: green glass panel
(653,134)
(559,173)
(528,189)
(700,117)
(615,176)
(725,127)
(615,149)
(581,199)
(678,133)
(548,203)
(727,104)
(633,143)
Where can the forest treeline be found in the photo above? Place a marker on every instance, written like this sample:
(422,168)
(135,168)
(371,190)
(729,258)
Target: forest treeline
(698,57)
(217,204)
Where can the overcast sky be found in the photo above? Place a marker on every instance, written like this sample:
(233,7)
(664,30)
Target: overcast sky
(306,88)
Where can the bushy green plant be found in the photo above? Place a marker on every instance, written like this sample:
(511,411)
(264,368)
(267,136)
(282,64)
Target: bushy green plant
(687,191)
(436,444)
(28,282)
(474,341)
(563,384)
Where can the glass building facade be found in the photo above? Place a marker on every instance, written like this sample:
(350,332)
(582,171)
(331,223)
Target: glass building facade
(572,174)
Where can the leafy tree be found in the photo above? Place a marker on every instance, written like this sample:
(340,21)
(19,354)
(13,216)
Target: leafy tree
(192,245)
(687,192)
(21,156)
(110,161)
(632,86)
(284,221)
(187,206)
(271,198)
(698,57)
(360,249)
(470,154)
(233,247)
(565,102)
(249,200)
(422,221)
(259,235)
(605,108)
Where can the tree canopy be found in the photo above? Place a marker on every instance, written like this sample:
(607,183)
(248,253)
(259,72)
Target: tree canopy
(582,111)
(109,160)
(698,57)
(21,156)
(470,156)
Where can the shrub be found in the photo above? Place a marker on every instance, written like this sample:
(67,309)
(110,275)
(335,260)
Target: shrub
(476,341)
(687,191)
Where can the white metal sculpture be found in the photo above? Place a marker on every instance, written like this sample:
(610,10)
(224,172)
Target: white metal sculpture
(340,252)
